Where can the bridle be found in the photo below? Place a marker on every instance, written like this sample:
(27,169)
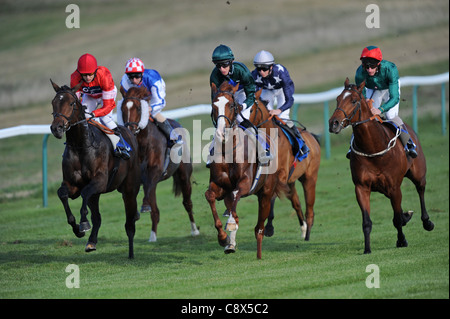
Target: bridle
(76,102)
(234,106)
(135,125)
(356,108)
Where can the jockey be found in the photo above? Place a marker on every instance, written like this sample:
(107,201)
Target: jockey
(136,75)
(275,82)
(226,69)
(382,86)
(98,90)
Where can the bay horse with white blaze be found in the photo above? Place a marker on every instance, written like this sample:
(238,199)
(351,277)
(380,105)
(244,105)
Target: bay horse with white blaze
(378,162)
(156,164)
(90,168)
(236,175)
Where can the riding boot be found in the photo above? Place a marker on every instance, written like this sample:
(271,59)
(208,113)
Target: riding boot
(167,129)
(265,157)
(121,147)
(407,142)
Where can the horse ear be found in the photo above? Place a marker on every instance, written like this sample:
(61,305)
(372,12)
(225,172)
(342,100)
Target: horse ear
(258,94)
(55,86)
(235,88)
(347,83)
(76,87)
(361,86)
(213,88)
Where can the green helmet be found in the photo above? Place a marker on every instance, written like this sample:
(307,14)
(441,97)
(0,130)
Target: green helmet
(222,53)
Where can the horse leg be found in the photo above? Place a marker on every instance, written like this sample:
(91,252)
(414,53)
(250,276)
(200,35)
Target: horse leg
(232,224)
(400,218)
(363,198)
(426,222)
(146,184)
(96,222)
(182,178)
(263,212)
(154,214)
(420,183)
(309,191)
(131,211)
(269,229)
(295,201)
(63,194)
(211,194)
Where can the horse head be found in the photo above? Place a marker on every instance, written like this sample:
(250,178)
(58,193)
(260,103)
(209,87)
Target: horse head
(134,112)
(67,109)
(348,106)
(224,109)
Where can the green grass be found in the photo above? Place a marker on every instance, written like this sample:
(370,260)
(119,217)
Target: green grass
(36,244)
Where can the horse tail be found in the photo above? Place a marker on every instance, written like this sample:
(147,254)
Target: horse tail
(181,178)
(317,137)
(281,189)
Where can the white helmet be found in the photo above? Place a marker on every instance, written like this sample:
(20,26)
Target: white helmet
(263,58)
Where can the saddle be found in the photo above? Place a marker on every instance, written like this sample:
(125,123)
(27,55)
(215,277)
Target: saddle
(299,147)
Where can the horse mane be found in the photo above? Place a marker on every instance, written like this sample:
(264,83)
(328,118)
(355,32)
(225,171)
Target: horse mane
(139,92)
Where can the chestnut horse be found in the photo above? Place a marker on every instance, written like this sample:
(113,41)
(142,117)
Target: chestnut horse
(236,174)
(152,156)
(378,161)
(90,168)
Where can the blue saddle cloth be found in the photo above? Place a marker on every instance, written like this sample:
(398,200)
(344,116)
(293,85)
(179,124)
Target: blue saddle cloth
(299,146)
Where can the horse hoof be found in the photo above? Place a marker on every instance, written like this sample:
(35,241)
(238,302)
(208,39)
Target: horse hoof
(85,226)
(367,251)
(90,247)
(146,209)
(225,242)
(268,231)
(428,225)
(152,238)
(403,243)
(76,231)
(229,249)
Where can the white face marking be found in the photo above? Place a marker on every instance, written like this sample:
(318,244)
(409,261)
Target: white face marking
(61,97)
(346,94)
(129,105)
(221,103)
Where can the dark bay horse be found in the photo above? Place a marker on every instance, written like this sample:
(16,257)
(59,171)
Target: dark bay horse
(378,161)
(152,156)
(90,167)
(236,174)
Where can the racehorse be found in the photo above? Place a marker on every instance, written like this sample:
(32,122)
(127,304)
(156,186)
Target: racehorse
(378,163)
(154,158)
(90,167)
(231,179)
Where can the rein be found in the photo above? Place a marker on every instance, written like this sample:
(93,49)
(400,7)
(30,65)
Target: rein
(392,142)
(138,107)
(233,105)
(75,102)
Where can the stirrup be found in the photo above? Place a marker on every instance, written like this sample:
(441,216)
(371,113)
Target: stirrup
(122,153)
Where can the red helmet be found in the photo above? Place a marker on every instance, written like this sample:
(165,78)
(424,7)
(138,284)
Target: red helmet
(134,65)
(87,64)
(371,52)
